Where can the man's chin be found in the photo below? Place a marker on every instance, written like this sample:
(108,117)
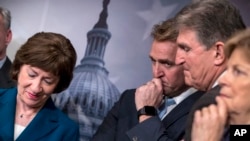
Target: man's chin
(188,81)
(167,92)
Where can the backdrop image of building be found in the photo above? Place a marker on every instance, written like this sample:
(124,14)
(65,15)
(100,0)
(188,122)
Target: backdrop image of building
(112,40)
(91,94)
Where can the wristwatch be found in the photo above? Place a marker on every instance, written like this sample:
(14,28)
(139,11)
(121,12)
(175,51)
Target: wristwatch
(147,110)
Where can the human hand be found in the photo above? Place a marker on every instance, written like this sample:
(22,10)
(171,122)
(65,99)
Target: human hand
(149,94)
(209,122)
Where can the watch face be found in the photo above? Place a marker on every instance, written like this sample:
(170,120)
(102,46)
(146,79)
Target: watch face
(147,110)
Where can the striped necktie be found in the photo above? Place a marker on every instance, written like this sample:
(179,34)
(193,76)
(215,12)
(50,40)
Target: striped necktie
(162,110)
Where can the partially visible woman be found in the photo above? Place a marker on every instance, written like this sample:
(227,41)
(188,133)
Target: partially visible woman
(233,106)
(42,66)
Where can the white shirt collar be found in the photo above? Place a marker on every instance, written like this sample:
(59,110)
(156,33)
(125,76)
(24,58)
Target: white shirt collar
(178,99)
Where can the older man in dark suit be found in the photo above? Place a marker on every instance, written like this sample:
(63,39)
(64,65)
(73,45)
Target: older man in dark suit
(204,26)
(5,38)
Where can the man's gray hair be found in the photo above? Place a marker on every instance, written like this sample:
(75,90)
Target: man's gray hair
(212,20)
(5,13)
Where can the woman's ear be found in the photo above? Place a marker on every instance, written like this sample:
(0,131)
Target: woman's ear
(219,54)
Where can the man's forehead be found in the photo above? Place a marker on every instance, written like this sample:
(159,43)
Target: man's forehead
(187,31)
(187,36)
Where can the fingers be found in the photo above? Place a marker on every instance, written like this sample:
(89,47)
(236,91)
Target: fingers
(149,94)
(207,119)
(222,108)
(154,84)
(154,81)
(157,81)
(197,117)
(150,83)
(221,104)
(212,114)
(209,114)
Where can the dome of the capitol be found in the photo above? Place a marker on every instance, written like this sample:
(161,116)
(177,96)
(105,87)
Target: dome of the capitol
(91,94)
(94,93)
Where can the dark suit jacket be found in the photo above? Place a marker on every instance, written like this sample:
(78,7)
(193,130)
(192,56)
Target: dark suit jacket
(5,80)
(50,124)
(121,122)
(207,99)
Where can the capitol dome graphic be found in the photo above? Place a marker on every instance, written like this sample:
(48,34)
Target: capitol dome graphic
(91,94)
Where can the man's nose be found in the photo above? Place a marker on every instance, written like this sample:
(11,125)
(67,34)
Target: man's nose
(179,59)
(158,72)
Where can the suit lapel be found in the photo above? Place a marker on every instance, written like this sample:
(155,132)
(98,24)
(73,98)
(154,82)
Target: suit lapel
(44,122)
(6,66)
(5,80)
(8,107)
(181,109)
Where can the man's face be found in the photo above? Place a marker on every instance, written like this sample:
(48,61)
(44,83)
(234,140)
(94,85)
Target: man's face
(196,59)
(162,55)
(5,37)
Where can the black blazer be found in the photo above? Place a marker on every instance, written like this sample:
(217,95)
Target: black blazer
(207,99)
(5,80)
(121,122)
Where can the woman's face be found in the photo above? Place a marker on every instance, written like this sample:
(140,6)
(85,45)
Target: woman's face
(236,82)
(35,86)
